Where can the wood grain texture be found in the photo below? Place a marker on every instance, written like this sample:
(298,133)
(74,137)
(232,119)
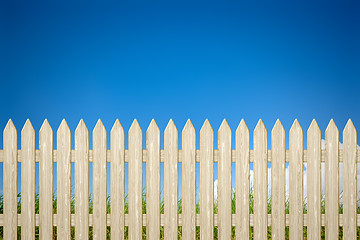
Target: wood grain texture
(171,181)
(81,181)
(63,181)
(117,181)
(46,181)
(296,181)
(135,181)
(349,180)
(332,182)
(206,181)
(260,181)
(242,181)
(153,182)
(188,181)
(99,181)
(224,180)
(28,181)
(278,181)
(10,181)
(314,182)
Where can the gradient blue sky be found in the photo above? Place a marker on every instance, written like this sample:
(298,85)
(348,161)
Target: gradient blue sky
(179,60)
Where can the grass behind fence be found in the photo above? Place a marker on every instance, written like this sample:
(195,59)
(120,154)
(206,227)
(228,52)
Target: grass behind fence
(251,209)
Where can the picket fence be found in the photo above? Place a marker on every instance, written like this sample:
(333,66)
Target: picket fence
(135,155)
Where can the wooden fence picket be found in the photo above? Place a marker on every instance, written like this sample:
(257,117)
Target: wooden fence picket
(63,181)
(153,182)
(46,181)
(81,181)
(28,181)
(278,181)
(296,181)
(135,181)
(206,181)
(332,182)
(242,181)
(260,181)
(188,181)
(99,181)
(171,181)
(224,181)
(314,180)
(10,181)
(117,182)
(349,181)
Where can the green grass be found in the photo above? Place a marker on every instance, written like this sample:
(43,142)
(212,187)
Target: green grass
(251,208)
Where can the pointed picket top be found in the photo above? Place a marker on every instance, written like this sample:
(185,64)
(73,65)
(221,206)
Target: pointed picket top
(242,127)
(28,128)
(224,127)
(206,127)
(349,128)
(331,127)
(278,128)
(189,128)
(63,128)
(295,128)
(117,127)
(153,127)
(314,128)
(10,128)
(135,127)
(171,128)
(260,126)
(81,127)
(99,127)
(331,135)
(45,128)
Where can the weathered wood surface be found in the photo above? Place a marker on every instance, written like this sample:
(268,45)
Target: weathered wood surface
(117,181)
(171,181)
(260,182)
(206,181)
(224,181)
(135,181)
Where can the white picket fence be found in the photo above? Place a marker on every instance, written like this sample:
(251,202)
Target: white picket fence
(224,155)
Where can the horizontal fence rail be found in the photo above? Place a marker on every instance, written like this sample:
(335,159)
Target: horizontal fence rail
(248,210)
(145,156)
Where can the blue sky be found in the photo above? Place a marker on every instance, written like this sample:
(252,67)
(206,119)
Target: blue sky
(179,60)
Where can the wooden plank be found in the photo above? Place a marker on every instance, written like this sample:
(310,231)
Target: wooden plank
(135,181)
(224,180)
(188,181)
(63,181)
(117,182)
(197,221)
(81,181)
(349,180)
(206,181)
(296,181)
(332,181)
(314,182)
(171,181)
(99,181)
(278,181)
(10,181)
(260,181)
(242,181)
(46,181)
(197,155)
(28,181)
(153,182)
